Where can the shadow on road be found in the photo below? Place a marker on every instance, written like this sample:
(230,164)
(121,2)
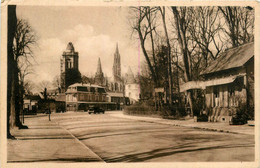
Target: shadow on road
(140,157)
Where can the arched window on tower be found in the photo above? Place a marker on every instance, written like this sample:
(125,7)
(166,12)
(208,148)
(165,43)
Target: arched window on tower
(116,86)
(68,63)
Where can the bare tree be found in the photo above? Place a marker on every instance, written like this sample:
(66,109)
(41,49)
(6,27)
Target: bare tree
(205,31)
(240,24)
(29,86)
(24,69)
(44,84)
(143,24)
(24,40)
(182,19)
(56,82)
(162,11)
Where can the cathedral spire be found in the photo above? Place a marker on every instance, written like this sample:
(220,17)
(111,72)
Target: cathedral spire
(117,51)
(117,64)
(99,77)
(99,68)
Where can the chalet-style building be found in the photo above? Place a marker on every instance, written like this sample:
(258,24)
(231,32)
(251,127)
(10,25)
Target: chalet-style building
(229,81)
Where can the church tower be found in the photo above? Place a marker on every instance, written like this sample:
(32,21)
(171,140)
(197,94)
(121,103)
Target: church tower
(69,67)
(117,66)
(117,85)
(99,76)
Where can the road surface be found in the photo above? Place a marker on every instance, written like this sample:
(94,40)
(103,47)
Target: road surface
(125,140)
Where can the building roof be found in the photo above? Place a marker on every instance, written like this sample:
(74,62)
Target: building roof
(232,58)
(70,47)
(130,76)
(32,97)
(88,85)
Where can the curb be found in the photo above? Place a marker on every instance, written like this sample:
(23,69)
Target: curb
(179,125)
(94,154)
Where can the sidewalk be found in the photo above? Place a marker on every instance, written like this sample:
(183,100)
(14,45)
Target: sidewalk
(209,126)
(45,141)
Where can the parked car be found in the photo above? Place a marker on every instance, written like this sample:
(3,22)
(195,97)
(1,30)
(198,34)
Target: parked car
(96,110)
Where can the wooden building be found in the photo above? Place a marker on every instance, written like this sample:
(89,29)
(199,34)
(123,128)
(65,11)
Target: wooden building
(228,83)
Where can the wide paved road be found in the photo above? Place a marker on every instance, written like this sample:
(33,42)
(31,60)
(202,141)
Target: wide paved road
(125,140)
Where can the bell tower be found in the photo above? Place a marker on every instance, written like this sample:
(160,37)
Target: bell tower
(69,67)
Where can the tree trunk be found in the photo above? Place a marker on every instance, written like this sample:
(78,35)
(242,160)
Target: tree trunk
(11,11)
(182,40)
(168,55)
(15,100)
(13,107)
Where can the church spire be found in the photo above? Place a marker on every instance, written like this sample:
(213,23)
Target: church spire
(99,68)
(117,64)
(99,77)
(117,51)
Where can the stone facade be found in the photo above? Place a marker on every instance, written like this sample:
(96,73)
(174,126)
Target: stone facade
(114,84)
(69,67)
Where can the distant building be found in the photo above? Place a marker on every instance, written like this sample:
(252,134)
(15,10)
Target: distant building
(229,80)
(69,67)
(132,88)
(114,85)
(81,96)
(31,103)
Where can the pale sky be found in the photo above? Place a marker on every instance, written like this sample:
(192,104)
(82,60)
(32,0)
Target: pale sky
(94,32)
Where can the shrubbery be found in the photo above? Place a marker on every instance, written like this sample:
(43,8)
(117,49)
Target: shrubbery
(147,108)
(140,109)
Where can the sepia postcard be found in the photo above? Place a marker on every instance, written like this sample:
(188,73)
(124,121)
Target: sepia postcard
(129,84)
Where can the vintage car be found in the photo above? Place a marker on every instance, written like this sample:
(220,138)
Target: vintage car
(96,110)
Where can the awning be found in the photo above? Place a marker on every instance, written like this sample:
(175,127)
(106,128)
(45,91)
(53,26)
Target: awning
(203,84)
(192,85)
